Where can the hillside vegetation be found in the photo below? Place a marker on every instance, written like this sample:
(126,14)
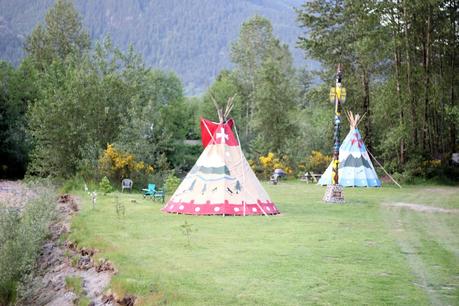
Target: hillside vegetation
(190,38)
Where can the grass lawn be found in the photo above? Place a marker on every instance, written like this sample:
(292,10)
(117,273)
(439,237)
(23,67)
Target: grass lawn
(364,252)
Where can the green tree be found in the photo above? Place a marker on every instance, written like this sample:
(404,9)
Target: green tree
(57,123)
(275,100)
(88,98)
(157,122)
(265,83)
(61,35)
(255,44)
(402,55)
(347,32)
(315,126)
(224,87)
(17,89)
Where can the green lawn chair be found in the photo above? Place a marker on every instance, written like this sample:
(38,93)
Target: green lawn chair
(149,191)
(160,195)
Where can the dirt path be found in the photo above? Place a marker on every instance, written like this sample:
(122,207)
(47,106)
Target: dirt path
(58,260)
(407,244)
(426,240)
(421,208)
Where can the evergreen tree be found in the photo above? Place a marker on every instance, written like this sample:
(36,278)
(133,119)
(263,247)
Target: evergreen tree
(62,35)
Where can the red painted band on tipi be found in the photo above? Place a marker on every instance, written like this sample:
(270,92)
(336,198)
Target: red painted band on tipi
(226,208)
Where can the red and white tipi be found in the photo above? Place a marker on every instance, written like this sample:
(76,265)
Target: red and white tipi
(221,182)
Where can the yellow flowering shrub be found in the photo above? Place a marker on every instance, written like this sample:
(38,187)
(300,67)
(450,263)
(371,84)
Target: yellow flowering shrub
(117,164)
(434,163)
(270,162)
(316,162)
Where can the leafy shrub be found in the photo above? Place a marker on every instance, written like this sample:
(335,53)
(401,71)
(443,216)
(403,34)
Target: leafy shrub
(74,183)
(117,165)
(162,171)
(172,183)
(266,165)
(316,162)
(22,233)
(105,185)
(418,170)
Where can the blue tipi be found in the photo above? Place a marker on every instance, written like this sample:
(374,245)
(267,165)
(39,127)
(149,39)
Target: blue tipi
(355,167)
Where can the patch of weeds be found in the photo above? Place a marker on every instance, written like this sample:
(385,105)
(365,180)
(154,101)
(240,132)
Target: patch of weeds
(67,253)
(119,207)
(74,261)
(75,284)
(72,184)
(186,229)
(84,301)
(63,238)
(22,233)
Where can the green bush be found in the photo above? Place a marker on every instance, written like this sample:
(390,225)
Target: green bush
(105,185)
(316,162)
(171,184)
(74,183)
(22,233)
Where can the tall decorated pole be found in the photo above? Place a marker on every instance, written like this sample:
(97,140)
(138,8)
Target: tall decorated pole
(334,193)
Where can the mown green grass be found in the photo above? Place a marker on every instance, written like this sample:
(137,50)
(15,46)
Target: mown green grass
(362,252)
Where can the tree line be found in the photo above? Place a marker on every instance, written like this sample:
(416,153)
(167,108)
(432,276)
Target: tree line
(401,62)
(70,98)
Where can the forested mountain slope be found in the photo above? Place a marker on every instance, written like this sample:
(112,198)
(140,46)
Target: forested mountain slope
(191,38)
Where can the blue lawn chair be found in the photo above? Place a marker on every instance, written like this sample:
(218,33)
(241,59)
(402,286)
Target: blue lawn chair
(160,195)
(149,191)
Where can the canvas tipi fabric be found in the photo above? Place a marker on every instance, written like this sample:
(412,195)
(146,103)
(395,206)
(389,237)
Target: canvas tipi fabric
(221,182)
(355,166)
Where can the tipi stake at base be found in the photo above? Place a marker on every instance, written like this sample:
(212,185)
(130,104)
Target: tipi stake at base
(334,194)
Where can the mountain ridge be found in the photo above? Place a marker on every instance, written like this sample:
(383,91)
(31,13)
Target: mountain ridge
(192,39)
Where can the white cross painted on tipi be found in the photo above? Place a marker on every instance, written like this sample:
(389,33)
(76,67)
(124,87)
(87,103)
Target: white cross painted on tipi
(222,135)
